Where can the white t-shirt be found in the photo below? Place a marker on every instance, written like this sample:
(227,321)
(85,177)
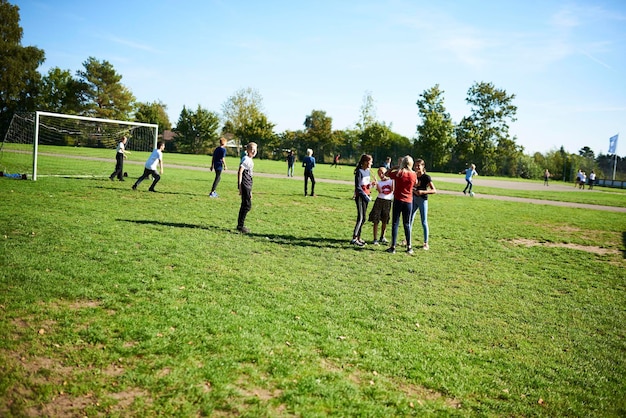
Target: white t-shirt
(385,189)
(153,160)
(247,163)
(121,147)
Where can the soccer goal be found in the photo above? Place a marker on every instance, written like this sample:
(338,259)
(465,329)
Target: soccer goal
(53,144)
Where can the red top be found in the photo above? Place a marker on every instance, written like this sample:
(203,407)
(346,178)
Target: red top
(404,182)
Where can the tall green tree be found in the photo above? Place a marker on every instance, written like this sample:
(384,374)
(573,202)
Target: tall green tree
(155,112)
(261,131)
(106,96)
(62,93)
(241,111)
(478,135)
(435,139)
(197,132)
(19,78)
(367,116)
(376,139)
(318,129)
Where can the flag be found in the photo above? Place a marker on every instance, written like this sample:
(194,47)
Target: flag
(613,144)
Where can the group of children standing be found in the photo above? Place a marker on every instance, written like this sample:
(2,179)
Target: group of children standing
(402,190)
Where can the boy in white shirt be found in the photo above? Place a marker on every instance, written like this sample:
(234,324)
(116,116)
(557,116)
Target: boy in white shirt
(382,205)
(155,159)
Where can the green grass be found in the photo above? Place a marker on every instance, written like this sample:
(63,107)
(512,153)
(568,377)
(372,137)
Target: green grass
(122,303)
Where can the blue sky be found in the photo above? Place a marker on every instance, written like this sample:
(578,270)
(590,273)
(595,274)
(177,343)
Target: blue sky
(565,61)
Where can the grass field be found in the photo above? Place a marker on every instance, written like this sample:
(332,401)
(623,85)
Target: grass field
(122,303)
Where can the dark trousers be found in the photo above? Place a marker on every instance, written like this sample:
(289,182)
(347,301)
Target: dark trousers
(309,175)
(119,167)
(361,212)
(146,173)
(218,176)
(468,186)
(246,204)
(405,209)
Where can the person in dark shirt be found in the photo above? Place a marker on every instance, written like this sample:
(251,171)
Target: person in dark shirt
(218,164)
(308,163)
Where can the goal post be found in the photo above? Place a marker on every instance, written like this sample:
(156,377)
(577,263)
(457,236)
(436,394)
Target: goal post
(41,143)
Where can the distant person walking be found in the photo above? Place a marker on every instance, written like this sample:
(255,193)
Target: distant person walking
(469,172)
(291,159)
(155,159)
(336,160)
(308,163)
(120,154)
(387,163)
(546,177)
(592,179)
(218,163)
(244,184)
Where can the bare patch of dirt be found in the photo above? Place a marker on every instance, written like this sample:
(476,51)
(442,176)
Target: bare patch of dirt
(420,393)
(587,248)
(63,406)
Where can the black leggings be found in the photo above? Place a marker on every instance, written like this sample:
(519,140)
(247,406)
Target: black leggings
(361,212)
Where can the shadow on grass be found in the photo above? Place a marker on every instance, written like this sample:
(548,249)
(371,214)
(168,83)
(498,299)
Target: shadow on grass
(274,238)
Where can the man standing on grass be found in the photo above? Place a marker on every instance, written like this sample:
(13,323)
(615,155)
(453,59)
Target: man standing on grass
(244,184)
(218,164)
(120,154)
(156,158)
(308,163)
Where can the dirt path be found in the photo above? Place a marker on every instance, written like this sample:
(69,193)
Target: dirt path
(486,182)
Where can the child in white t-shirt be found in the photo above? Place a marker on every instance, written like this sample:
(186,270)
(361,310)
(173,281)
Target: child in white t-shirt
(382,205)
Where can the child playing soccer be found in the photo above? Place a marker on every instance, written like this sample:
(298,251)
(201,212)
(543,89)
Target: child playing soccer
(156,158)
(382,205)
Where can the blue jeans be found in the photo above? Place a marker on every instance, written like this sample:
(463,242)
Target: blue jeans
(405,209)
(422,205)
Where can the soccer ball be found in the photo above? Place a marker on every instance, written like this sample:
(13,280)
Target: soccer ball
(472,194)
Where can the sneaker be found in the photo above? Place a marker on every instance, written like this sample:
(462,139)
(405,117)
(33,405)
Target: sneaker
(409,250)
(212,194)
(151,190)
(313,195)
(383,240)
(426,247)
(375,242)
(358,242)
(464,192)
(134,187)
(391,250)
(361,242)
(122,180)
(243,230)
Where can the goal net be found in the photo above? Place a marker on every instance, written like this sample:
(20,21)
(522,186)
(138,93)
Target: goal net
(52,144)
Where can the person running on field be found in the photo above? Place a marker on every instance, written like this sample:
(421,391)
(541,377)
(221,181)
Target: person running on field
(155,159)
(469,174)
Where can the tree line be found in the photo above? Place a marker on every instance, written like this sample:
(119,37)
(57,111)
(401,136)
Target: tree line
(96,90)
